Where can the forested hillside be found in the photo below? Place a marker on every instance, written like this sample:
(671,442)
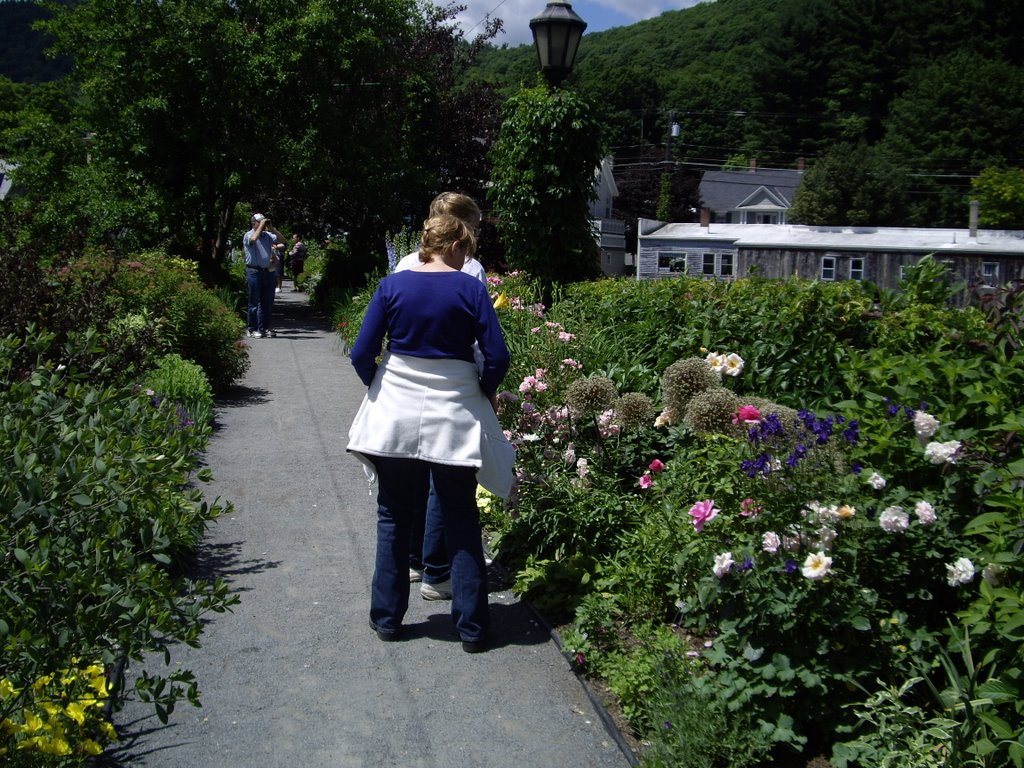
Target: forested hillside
(927,93)
(22,57)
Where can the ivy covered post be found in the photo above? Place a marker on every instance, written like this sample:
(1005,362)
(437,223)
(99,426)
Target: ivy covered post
(544,164)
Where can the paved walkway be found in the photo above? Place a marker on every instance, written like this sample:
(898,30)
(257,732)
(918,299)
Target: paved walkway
(294,676)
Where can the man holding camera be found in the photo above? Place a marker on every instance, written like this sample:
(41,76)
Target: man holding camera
(261,277)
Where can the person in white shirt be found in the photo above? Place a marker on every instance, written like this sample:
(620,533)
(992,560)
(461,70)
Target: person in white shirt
(428,557)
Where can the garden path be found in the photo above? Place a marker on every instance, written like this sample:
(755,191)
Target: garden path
(293,675)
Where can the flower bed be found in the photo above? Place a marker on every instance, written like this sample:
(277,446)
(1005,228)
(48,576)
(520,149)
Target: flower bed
(780,519)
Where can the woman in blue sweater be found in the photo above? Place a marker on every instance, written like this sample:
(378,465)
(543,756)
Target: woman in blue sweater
(429,414)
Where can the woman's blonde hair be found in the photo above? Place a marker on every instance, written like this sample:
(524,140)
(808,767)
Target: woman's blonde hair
(455,204)
(442,232)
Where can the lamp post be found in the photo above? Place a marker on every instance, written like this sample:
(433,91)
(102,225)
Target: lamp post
(556,35)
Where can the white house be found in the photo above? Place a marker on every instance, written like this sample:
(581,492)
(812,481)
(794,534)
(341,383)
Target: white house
(609,233)
(5,178)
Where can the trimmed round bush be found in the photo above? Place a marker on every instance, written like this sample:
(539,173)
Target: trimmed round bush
(711,410)
(684,379)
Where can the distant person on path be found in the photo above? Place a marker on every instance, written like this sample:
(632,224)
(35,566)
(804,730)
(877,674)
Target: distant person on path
(297,260)
(429,416)
(258,244)
(428,557)
(278,265)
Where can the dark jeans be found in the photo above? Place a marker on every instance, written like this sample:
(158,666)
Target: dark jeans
(427,551)
(402,486)
(260,284)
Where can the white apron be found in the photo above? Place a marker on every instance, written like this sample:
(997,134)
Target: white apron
(433,410)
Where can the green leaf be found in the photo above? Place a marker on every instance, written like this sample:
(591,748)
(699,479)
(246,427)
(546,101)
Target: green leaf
(860,623)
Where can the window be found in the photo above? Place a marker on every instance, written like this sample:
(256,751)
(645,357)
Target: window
(856,269)
(665,261)
(725,270)
(828,267)
(709,264)
(990,272)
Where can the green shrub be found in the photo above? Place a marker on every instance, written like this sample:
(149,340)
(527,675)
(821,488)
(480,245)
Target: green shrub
(341,273)
(191,320)
(100,514)
(183,382)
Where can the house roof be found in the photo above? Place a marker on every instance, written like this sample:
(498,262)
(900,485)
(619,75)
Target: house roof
(801,237)
(605,174)
(729,190)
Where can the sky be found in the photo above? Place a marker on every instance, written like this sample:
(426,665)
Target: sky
(599,15)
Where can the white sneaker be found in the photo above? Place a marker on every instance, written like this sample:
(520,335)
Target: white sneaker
(442,591)
(415,574)
(277,290)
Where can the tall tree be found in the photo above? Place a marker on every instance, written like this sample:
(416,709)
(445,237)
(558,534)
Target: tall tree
(851,185)
(958,116)
(547,152)
(330,111)
(1000,194)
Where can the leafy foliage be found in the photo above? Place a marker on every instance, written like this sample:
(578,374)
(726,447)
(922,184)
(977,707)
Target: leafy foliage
(1000,193)
(838,549)
(100,513)
(544,161)
(183,382)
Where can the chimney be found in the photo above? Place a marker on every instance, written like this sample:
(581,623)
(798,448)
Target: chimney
(705,217)
(801,164)
(974,219)
(753,164)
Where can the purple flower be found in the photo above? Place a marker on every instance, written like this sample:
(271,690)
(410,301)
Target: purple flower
(747,564)
(791,566)
(852,432)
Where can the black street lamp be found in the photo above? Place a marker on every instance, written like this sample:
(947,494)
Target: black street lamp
(556,34)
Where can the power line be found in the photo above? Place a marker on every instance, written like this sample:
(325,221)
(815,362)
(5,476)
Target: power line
(485,18)
(718,165)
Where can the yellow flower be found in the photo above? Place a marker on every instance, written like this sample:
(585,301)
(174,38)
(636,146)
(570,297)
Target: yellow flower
(51,708)
(91,747)
(99,684)
(33,722)
(76,712)
(108,730)
(7,689)
(42,682)
(501,301)
(845,512)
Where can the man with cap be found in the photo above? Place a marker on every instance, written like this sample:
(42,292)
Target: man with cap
(259,242)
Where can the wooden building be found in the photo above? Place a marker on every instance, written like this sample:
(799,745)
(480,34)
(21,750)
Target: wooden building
(876,254)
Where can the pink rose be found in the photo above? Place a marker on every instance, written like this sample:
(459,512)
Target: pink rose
(646,481)
(656,466)
(703,512)
(747,414)
(749,508)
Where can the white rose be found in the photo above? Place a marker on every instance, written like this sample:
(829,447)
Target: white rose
(960,572)
(925,425)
